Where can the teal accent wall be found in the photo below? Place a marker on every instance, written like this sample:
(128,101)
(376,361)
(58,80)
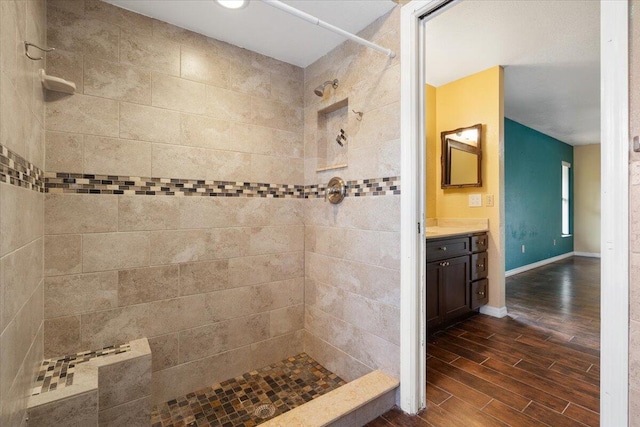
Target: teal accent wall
(533,195)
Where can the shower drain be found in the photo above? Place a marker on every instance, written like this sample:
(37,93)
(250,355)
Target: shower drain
(264,411)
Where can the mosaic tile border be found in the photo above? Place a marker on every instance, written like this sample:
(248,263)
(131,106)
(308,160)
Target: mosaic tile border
(55,374)
(16,170)
(283,386)
(61,182)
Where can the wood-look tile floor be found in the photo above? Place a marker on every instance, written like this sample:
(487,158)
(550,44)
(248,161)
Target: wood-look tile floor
(538,366)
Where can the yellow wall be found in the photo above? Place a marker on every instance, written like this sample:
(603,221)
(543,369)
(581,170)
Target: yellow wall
(586,202)
(477,98)
(432,140)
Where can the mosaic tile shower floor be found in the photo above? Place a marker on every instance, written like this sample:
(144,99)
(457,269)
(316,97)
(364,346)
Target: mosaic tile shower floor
(233,403)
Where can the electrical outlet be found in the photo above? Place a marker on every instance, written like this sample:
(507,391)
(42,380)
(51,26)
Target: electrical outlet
(489,201)
(554,242)
(475,200)
(522,248)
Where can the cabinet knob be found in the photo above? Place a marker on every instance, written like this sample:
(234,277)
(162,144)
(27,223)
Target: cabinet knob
(481,242)
(479,266)
(481,293)
(443,248)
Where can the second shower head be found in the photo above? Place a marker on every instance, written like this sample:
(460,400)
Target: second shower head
(320,89)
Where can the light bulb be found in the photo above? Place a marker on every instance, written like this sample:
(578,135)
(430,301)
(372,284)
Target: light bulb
(233,4)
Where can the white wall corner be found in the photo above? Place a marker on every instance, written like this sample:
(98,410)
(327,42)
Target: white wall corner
(498,312)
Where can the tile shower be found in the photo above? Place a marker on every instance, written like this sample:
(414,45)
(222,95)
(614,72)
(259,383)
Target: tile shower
(183,204)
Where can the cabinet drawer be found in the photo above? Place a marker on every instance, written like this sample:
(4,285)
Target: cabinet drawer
(447,248)
(479,293)
(479,243)
(479,266)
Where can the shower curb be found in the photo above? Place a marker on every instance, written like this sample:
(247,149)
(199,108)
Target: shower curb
(355,403)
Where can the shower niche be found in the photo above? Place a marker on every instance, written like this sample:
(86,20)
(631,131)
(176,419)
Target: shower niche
(333,136)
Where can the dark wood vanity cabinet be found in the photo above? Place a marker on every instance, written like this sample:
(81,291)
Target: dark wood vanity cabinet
(457,284)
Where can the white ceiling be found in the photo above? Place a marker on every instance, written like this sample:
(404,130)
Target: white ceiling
(264,29)
(550,51)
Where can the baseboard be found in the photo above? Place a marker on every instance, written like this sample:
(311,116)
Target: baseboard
(587,254)
(498,312)
(528,267)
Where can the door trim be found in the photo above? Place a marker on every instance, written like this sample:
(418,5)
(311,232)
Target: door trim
(614,332)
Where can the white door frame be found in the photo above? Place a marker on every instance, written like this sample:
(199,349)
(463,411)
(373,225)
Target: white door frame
(615,211)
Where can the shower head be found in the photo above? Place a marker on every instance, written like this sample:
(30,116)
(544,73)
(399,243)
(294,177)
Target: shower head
(320,89)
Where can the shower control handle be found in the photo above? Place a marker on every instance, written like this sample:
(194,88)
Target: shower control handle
(336,190)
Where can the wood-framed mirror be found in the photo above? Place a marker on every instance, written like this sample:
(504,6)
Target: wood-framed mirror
(462,157)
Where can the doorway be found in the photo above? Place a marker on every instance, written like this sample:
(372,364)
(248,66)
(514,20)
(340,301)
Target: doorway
(614,106)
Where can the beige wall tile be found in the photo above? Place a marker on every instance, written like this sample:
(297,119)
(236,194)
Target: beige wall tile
(136,213)
(178,94)
(62,254)
(334,359)
(77,294)
(147,284)
(286,211)
(287,90)
(126,19)
(165,31)
(229,303)
(21,217)
(185,378)
(286,320)
(273,350)
(276,169)
(66,65)
(228,105)
(110,251)
(206,212)
(80,213)
(80,410)
(201,66)
(202,277)
(115,81)
(205,132)
(15,129)
(82,114)
(110,156)
(276,114)
(177,314)
(251,80)
(124,381)
(21,274)
(64,152)
(115,326)
(379,319)
(150,52)
(62,336)
(79,34)
(275,295)
(164,351)
(170,247)
(264,140)
(135,413)
(199,163)
(149,123)
(265,268)
(223,336)
(271,240)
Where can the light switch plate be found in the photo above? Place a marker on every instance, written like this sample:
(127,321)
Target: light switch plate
(475,200)
(489,200)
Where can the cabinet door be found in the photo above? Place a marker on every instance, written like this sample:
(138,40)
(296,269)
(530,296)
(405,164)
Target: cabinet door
(456,287)
(434,277)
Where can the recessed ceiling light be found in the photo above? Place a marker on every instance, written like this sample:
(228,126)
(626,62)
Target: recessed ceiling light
(233,4)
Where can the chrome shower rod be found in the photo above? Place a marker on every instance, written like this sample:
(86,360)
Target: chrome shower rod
(316,21)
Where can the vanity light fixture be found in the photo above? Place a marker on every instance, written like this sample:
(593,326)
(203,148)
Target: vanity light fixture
(233,4)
